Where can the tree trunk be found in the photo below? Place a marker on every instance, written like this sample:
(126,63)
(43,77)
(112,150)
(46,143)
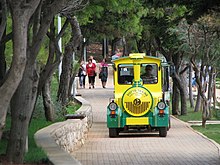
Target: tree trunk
(47,74)
(179,84)
(183,86)
(3,17)
(77,43)
(71,86)
(202,86)
(210,92)
(20,19)
(190,86)
(205,112)
(65,75)
(182,94)
(47,101)
(214,89)
(183,101)
(22,105)
(175,100)
(198,76)
(2,60)
(67,63)
(198,102)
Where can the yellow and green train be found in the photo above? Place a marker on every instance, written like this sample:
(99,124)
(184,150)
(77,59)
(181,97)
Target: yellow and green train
(139,102)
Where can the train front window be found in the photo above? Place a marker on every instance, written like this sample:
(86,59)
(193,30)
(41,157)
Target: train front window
(125,73)
(149,73)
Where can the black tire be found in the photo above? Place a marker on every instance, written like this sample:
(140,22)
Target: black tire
(113,132)
(163,131)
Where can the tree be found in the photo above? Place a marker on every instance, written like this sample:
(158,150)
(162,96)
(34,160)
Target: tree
(162,16)
(201,42)
(23,101)
(53,60)
(113,20)
(21,13)
(156,37)
(67,64)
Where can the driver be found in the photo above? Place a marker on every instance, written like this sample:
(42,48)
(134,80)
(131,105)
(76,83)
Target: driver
(148,77)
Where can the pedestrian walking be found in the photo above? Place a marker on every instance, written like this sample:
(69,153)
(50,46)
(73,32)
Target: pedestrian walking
(103,72)
(91,72)
(82,74)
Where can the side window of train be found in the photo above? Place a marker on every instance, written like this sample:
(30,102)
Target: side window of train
(149,73)
(165,78)
(125,74)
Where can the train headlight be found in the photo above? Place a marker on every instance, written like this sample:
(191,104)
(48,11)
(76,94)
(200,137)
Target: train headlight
(161,105)
(113,106)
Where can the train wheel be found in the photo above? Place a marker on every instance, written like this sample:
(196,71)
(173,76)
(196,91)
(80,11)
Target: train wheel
(113,132)
(163,131)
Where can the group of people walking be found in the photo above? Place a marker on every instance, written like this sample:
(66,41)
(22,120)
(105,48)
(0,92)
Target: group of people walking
(90,69)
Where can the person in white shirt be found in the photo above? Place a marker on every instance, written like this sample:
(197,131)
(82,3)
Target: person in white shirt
(93,61)
(82,74)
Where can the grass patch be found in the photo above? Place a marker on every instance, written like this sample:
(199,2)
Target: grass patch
(212,131)
(196,116)
(191,116)
(34,154)
(72,107)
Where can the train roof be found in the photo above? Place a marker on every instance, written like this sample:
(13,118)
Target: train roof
(120,59)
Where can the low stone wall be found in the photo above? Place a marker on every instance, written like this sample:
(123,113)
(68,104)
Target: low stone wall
(71,134)
(59,139)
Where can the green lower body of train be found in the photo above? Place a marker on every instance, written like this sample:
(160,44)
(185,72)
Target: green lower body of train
(121,121)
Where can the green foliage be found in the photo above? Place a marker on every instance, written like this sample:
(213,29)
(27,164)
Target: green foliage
(156,12)
(43,53)
(3,141)
(176,12)
(72,107)
(200,40)
(9,45)
(111,18)
(76,66)
(86,16)
(160,16)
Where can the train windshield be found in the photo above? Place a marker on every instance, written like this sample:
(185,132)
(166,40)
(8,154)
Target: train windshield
(125,73)
(148,73)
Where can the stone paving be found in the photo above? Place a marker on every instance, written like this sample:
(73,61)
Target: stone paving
(182,146)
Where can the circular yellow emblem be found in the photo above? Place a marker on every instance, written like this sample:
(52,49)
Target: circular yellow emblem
(137,101)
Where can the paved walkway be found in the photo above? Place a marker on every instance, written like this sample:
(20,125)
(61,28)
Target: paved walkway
(182,146)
